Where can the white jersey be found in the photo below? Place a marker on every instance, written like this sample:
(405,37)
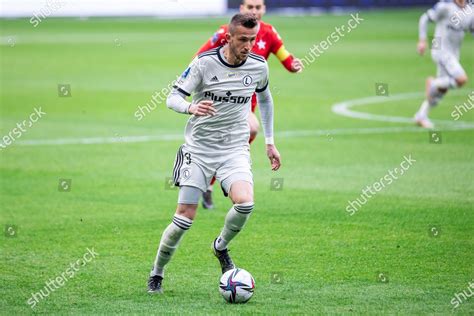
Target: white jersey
(451,23)
(230,87)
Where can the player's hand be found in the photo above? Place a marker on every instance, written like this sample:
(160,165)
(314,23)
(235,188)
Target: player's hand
(297,65)
(421,48)
(274,157)
(203,108)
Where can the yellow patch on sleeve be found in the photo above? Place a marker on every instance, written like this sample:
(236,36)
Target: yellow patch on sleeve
(282,53)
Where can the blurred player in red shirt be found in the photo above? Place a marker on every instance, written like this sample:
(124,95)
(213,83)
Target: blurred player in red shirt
(268,41)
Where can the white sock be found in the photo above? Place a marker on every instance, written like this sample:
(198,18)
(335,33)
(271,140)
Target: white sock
(169,242)
(234,222)
(424,110)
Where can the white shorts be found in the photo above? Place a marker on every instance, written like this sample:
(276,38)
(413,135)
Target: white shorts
(448,65)
(197,170)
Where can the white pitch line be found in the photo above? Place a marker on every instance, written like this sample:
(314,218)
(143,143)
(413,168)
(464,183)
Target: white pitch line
(362,131)
(176,137)
(343,108)
(101,140)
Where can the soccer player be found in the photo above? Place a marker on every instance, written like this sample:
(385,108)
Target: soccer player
(216,138)
(268,41)
(452,18)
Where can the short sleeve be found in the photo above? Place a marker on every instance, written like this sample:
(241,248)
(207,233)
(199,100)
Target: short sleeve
(262,85)
(191,78)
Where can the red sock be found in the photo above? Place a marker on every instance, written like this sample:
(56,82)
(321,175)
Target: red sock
(213,180)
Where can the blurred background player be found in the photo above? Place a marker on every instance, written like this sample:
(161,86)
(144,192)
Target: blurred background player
(268,41)
(452,19)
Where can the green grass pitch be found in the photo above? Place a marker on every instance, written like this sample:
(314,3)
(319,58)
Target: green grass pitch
(307,254)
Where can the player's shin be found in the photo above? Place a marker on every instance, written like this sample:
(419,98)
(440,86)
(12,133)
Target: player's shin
(234,222)
(423,111)
(169,242)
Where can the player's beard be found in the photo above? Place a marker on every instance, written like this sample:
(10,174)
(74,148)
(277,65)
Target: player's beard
(238,55)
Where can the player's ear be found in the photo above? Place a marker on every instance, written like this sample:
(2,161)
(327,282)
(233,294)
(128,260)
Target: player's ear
(227,37)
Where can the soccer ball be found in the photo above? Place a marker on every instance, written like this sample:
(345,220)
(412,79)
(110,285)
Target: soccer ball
(237,286)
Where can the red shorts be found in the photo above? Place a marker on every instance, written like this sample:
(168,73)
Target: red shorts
(254,102)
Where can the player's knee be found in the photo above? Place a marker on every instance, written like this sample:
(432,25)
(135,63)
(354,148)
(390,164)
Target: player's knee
(253,124)
(461,81)
(242,196)
(253,135)
(241,192)
(254,127)
(188,200)
(187,210)
(253,132)
(243,199)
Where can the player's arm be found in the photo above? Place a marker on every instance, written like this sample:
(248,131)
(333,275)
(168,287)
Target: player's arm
(422,33)
(432,15)
(265,102)
(290,62)
(183,88)
(215,41)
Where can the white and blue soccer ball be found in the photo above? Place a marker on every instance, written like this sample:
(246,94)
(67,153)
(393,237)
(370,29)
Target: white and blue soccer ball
(237,286)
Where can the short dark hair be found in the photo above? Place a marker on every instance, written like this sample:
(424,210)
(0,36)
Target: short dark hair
(246,20)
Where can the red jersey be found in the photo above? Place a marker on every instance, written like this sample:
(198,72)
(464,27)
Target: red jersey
(268,41)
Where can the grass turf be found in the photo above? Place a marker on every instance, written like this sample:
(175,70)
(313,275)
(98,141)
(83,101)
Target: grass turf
(327,261)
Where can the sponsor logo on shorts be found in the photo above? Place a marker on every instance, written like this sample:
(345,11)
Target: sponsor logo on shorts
(186,174)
